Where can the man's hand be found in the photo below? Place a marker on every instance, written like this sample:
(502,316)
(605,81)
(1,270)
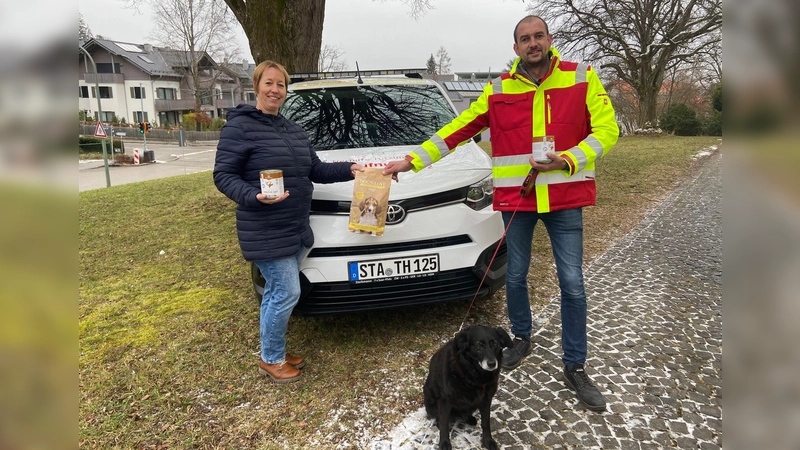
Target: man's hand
(393,167)
(556,163)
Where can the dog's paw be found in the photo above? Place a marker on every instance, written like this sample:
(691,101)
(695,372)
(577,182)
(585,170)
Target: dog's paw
(445,445)
(489,443)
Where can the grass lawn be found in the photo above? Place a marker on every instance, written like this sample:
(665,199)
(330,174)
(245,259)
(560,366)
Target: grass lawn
(168,322)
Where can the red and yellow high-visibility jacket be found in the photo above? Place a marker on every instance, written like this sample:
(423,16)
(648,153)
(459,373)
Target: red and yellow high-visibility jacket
(569,104)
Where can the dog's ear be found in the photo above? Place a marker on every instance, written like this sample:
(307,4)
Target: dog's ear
(462,341)
(505,339)
(361,205)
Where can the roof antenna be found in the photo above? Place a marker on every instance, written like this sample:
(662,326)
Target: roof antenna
(358,72)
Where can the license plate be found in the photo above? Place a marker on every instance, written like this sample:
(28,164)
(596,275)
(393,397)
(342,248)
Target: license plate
(393,269)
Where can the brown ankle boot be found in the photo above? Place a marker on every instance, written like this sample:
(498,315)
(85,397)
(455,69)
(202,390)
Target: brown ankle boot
(280,373)
(295,361)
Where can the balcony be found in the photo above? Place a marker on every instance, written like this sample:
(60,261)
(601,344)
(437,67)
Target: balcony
(105,78)
(186,104)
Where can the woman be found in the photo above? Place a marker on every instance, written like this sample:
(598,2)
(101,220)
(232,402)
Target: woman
(273,232)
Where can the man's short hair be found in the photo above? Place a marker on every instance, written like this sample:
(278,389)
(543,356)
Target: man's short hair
(527,18)
(259,70)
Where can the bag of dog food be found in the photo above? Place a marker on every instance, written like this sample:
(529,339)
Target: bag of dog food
(370,202)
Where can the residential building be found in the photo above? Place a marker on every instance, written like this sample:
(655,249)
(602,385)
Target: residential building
(141,82)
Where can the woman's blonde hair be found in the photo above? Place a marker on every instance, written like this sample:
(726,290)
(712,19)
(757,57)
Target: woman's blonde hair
(259,70)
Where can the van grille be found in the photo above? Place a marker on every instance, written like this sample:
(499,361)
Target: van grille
(337,297)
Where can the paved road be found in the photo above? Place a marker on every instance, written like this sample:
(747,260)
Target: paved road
(171,160)
(655,345)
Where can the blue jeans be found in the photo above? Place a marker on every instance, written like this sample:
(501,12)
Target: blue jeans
(281,294)
(565,228)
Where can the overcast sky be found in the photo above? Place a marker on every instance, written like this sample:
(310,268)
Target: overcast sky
(379,34)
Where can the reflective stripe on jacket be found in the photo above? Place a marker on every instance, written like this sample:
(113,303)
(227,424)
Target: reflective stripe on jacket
(569,104)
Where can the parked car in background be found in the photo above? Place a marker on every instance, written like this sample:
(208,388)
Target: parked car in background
(441,232)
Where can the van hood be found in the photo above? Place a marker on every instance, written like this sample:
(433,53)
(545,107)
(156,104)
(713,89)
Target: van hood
(467,165)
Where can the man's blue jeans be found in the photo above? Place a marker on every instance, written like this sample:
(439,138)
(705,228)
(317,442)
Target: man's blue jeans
(565,228)
(281,294)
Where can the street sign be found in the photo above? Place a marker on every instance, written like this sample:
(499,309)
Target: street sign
(100,131)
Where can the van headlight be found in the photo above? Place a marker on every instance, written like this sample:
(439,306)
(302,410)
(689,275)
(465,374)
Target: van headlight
(479,195)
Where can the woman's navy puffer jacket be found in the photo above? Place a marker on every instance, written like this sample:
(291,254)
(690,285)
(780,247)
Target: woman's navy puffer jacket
(252,141)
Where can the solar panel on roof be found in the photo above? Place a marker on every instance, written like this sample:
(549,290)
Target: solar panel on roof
(146,59)
(129,47)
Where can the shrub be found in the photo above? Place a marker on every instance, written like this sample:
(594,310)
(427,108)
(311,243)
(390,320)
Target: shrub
(716,97)
(191,120)
(712,125)
(681,120)
(216,124)
(91,144)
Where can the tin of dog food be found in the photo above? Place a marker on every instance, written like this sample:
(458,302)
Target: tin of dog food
(543,145)
(272,183)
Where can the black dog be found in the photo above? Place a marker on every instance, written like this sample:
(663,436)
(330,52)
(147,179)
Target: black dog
(463,377)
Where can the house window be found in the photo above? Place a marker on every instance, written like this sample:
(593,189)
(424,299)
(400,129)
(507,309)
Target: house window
(206,97)
(138,92)
(107,116)
(108,68)
(105,92)
(251,96)
(138,117)
(83,91)
(165,93)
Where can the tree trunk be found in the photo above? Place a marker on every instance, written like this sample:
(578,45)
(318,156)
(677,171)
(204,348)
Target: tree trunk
(647,108)
(288,32)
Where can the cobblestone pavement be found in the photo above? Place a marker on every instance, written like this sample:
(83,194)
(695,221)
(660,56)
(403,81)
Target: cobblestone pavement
(655,342)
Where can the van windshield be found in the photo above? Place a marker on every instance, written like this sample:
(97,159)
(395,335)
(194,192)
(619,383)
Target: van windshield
(368,115)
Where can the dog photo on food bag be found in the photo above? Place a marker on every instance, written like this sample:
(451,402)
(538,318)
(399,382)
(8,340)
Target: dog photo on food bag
(369,211)
(370,202)
(463,377)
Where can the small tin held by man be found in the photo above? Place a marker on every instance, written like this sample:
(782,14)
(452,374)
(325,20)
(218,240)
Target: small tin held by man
(541,146)
(272,183)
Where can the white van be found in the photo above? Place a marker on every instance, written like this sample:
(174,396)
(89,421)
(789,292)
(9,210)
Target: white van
(441,232)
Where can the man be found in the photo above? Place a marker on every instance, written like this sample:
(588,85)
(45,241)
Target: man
(540,97)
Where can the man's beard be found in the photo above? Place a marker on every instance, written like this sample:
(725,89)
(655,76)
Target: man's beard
(541,63)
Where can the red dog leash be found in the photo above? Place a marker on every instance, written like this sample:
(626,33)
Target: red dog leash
(525,191)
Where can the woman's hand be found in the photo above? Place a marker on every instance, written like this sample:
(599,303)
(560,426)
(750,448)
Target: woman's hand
(268,201)
(356,168)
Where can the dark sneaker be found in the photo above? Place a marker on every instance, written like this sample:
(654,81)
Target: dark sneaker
(513,356)
(577,380)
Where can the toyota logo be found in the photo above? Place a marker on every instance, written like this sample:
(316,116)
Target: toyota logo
(395,214)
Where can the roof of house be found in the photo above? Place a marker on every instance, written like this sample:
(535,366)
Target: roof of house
(144,56)
(241,71)
(150,59)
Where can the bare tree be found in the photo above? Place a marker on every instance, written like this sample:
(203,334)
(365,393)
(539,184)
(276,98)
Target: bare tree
(442,61)
(84,33)
(331,59)
(197,29)
(638,41)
